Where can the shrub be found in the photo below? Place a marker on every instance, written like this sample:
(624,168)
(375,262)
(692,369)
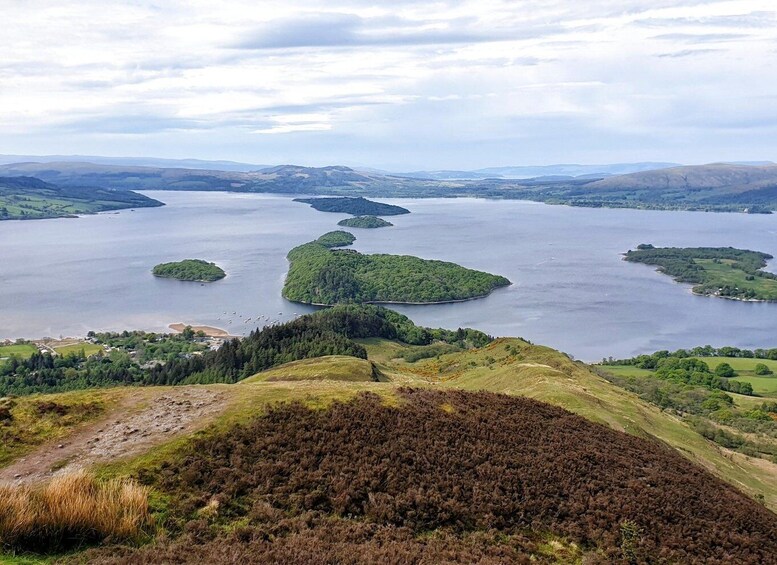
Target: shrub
(725,370)
(762,369)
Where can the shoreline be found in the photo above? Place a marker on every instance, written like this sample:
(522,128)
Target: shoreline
(398,303)
(209,331)
(756,300)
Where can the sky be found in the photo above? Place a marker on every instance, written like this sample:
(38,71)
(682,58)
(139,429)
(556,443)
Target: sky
(397,85)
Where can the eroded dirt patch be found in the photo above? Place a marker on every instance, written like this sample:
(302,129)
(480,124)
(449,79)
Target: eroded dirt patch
(147,419)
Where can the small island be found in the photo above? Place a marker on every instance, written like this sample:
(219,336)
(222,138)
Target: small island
(357,206)
(366,222)
(337,238)
(321,275)
(724,272)
(195,270)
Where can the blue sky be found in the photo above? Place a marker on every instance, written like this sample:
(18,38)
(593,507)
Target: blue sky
(400,85)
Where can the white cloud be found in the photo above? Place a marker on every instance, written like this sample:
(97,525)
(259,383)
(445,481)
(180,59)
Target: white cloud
(402,84)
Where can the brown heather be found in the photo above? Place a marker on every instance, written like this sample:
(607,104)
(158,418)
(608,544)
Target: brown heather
(70,510)
(445,477)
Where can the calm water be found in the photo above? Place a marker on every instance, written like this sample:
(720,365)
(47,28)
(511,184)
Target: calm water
(571,289)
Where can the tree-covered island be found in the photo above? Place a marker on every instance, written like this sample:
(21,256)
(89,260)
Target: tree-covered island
(725,272)
(195,270)
(366,222)
(355,206)
(321,275)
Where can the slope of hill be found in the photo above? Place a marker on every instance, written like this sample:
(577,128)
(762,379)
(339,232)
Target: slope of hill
(297,482)
(709,177)
(437,474)
(29,198)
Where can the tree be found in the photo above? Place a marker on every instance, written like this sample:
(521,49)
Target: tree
(762,369)
(725,370)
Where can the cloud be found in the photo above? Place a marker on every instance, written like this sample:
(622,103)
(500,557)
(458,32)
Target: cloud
(689,53)
(701,37)
(402,84)
(349,30)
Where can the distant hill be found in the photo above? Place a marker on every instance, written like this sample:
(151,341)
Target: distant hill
(722,187)
(29,198)
(715,176)
(535,171)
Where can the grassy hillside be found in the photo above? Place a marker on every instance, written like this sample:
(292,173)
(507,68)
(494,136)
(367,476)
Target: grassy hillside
(515,367)
(330,368)
(363,478)
(26,198)
(296,463)
(206,522)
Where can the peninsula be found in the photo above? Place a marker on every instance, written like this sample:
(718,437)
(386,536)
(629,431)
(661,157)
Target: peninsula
(724,272)
(195,270)
(28,198)
(321,275)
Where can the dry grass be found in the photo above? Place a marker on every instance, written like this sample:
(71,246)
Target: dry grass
(70,510)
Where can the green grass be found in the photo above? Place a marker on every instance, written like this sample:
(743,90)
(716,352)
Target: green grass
(10,559)
(89,349)
(30,427)
(722,274)
(23,350)
(331,367)
(763,386)
(739,364)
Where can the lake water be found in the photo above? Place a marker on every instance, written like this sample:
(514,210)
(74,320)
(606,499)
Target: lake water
(571,289)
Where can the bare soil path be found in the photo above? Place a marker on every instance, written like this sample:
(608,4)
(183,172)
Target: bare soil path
(146,417)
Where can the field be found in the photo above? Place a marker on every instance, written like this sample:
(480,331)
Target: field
(725,273)
(89,349)
(762,385)
(22,350)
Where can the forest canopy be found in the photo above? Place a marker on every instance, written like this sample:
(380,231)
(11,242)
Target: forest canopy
(319,275)
(366,222)
(356,206)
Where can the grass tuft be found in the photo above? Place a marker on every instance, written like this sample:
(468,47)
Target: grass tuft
(70,510)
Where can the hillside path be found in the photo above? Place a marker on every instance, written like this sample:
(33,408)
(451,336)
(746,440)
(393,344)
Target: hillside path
(139,422)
